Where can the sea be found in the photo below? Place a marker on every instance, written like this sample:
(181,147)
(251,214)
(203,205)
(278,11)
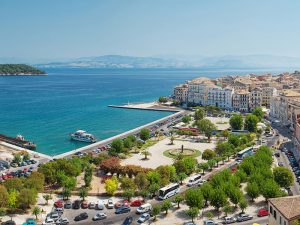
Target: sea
(46,109)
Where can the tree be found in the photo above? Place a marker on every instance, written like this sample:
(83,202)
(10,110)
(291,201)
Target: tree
(178,199)
(111,185)
(203,166)
(251,123)
(17,159)
(141,181)
(3,196)
(145,134)
(13,183)
(186,119)
(243,204)
(181,177)
(208,154)
(83,192)
(235,195)
(194,198)
(258,113)
(236,122)
(172,139)
(128,143)
(36,211)
(211,163)
(117,146)
(66,193)
(146,153)
(209,215)
(166,205)
(128,194)
(283,176)
(162,99)
(207,127)
(127,183)
(199,114)
(270,189)
(225,133)
(153,188)
(206,190)
(26,198)
(252,190)
(224,148)
(192,212)
(110,165)
(155,211)
(47,198)
(227,209)
(88,176)
(12,198)
(35,181)
(218,198)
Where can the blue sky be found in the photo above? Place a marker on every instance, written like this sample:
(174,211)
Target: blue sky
(75,28)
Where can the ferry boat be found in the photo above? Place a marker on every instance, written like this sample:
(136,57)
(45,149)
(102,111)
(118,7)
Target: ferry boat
(83,136)
(18,141)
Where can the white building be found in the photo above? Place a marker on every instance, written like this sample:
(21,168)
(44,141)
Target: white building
(220,97)
(198,91)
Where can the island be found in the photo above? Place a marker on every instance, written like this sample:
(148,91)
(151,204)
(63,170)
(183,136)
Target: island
(20,70)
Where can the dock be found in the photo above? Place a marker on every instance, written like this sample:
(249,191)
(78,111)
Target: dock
(152,106)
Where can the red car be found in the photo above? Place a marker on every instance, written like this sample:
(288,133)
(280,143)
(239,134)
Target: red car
(122,203)
(136,203)
(263,212)
(59,204)
(84,205)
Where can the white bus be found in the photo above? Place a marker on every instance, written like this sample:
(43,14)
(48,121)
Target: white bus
(194,180)
(168,191)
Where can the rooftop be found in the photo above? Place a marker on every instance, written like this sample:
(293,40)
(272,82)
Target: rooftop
(289,206)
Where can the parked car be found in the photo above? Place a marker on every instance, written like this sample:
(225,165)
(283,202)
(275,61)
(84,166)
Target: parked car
(62,221)
(121,203)
(262,212)
(100,216)
(81,216)
(280,164)
(128,221)
(76,204)
(228,220)
(68,204)
(84,205)
(136,203)
(122,209)
(59,204)
(58,210)
(9,222)
(210,222)
(144,208)
(92,205)
(48,221)
(143,218)
(110,204)
(29,222)
(100,205)
(244,217)
(189,223)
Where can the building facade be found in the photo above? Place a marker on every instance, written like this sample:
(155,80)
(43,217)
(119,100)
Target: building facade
(240,101)
(181,93)
(220,97)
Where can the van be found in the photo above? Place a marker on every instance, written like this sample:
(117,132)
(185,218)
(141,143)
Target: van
(100,205)
(194,180)
(144,208)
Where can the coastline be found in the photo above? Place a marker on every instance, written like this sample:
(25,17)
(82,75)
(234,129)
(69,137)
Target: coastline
(15,75)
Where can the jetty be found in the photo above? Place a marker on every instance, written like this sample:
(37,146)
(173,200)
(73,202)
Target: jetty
(122,135)
(152,106)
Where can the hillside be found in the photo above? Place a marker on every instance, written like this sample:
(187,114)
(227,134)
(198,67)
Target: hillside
(19,70)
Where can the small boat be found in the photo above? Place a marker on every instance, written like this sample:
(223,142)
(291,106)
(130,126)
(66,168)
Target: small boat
(83,136)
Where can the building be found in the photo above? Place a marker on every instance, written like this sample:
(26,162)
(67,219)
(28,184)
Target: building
(240,101)
(220,97)
(266,94)
(284,210)
(296,138)
(255,98)
(181,93)
(198,91)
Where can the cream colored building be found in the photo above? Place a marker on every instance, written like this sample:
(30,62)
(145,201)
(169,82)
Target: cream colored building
(220,97)
(198,91)
(284,210)
(240,101)
(181,93)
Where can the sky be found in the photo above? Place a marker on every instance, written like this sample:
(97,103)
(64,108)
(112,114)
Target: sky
(57,29)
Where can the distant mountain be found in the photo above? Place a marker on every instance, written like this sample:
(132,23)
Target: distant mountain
(230,62)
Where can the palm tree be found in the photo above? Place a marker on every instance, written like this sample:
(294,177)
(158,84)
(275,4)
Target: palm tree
(83,193)
(157,134)
(36,211)
(47,198)
(172,138)
(146,153)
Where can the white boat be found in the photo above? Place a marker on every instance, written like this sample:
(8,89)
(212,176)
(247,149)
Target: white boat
(83,136)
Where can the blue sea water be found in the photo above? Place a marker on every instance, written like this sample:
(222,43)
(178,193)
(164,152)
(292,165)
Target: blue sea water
(46,109)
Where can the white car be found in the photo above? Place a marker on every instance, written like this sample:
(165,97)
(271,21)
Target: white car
(110,204)
(100,216)
(144,217)
(100,205)
(48,221)
(62,221)
(92,205)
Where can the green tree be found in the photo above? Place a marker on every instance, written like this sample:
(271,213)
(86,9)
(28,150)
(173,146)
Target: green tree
(172,139)
(166,205)
(258,113)
(252,190)
(203,166)
(13,183)
(207,127)
(146,153)
(3,196)
(26,156)
(224,148)
(218,198)
(251,123)
(66,193)
(211,163)
(199,114)
(153,188)
(227,209)
(225,133)
(47,198)
(192,212)
(128,194)
(236,122)
(156,211)
(194,198)
(178,199)
(117,146)
(128,143)
(111,185)
(283,176)
(26,198)
(206,190)
(35,181)
(181,177)
(235,195)
(36,211)
(270,189)
(243,204)
(141,181)
(162,99)
(145,134)
(208,154)
(83,192)
(17,158)
(127,183)
(12,198)
(186,119)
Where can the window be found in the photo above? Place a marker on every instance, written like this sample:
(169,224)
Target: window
(280,220)
(284,223)
(275,216)
(271,209)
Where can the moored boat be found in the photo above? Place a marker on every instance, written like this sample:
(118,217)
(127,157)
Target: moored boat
(83,136)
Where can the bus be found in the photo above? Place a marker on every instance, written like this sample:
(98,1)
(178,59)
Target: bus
(244,153)
(168,191)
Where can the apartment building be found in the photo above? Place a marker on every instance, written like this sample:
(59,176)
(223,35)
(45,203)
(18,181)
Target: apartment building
(198,91)
(181,93)
(255,98)
(284,210)
(240,101)
(220,97)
